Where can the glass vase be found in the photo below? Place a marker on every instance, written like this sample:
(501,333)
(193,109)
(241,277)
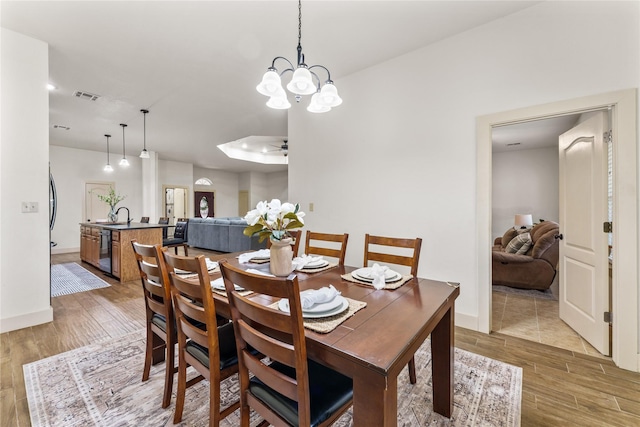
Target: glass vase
(112,216)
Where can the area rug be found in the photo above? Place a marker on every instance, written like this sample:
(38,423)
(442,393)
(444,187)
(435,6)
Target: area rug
(70,278)
(533,293)
(100,385)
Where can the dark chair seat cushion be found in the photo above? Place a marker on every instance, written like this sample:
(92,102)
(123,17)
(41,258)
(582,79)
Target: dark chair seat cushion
(329,391)
(160,321)
(228,353)
(174,241)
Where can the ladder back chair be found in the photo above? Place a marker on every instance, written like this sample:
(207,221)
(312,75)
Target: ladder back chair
(389,258)
(163,220)
(161,333)
(144,220)
(291,390)
(326,251)
(210,349)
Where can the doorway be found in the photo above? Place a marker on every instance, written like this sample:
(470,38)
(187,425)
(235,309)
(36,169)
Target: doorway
(625,209)
(175,202)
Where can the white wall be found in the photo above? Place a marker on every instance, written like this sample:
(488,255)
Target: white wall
(524,182)
(71,169)
(175,174)
(278,185)
(225,184)
(24,153)
(406,130)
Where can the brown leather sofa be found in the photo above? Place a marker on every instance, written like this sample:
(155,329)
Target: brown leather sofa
(534,270)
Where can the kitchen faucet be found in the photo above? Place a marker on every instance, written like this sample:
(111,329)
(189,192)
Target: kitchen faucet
(128,218)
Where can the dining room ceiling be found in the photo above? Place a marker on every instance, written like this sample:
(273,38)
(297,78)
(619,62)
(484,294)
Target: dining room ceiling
(195,64)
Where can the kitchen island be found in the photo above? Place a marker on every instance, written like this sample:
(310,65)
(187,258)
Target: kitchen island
(107,246)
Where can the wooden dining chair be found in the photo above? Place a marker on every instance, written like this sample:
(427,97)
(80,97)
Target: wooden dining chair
(161,333)
(144,220)
(392,258)
(312,248)
(297,236)
(291,389)
(210,349)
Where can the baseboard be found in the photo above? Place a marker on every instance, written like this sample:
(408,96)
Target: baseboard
(26,320)
(466,321)
(56,251)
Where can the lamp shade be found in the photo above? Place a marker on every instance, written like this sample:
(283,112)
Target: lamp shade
(329,96)
(523,221)
(301,82)
(270,84)
(144,154)
(315,106)
(279,103)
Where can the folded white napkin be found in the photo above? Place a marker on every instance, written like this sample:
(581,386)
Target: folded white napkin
(260,272)
(301,262)
(210,264)
(318,296)
(377,274)
(246,257)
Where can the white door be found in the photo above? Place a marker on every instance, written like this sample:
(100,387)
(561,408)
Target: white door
(94,208)
(584,286)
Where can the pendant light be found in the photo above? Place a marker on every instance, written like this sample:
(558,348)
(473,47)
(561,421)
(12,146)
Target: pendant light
(123,162)
(325,96)
(107,167)
(144,154)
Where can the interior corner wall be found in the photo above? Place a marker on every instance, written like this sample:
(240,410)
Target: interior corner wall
(524,182)
(24,104)
(407,150)
(278,185)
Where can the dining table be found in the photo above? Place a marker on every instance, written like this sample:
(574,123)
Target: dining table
(373,345)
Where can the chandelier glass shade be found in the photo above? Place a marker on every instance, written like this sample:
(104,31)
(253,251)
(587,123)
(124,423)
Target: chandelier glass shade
(123,162)
(107,167)
(144,154)
(304,81)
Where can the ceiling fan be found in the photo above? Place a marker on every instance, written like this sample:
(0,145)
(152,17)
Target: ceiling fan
(284,148)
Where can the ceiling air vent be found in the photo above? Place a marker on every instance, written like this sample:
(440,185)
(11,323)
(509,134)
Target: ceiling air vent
(86,95)
(61,127)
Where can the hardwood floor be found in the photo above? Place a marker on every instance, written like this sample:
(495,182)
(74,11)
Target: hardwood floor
(560,387)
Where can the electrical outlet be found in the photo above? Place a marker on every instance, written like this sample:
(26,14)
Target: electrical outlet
(33,207)
(25,207)
(311,207)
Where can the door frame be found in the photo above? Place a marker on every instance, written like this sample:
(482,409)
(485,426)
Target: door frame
(625,209)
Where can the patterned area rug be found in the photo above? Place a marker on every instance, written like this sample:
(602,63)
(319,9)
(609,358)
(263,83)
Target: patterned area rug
(100,385)
(70,278)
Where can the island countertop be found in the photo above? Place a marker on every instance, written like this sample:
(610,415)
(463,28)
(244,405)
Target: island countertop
(119,226)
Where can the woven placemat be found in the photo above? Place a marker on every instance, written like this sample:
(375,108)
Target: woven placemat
(192,275)
(324,325)
(319,269)
(395,285)
(224,293)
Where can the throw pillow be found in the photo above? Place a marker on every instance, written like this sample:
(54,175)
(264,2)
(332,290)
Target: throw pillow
(520,244)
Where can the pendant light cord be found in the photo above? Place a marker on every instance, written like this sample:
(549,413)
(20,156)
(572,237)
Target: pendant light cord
(299,21)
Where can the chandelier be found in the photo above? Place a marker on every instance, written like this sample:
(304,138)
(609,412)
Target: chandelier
(302,82)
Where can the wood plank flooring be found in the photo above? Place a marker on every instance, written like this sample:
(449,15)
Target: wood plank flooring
(560,387)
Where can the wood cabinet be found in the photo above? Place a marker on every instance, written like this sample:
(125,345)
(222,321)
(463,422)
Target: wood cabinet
(115,253)
(90,245)
(122,263)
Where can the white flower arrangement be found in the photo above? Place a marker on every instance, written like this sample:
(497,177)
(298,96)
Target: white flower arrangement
(273,220)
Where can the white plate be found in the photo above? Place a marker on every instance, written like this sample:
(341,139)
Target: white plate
(260,258)
(365,274)
(316,264)
(343,304)
(219,286)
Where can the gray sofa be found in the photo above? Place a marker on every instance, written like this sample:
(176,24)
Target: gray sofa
(221,234)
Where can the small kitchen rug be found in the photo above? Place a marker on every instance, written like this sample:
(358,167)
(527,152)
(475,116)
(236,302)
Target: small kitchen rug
(70,278)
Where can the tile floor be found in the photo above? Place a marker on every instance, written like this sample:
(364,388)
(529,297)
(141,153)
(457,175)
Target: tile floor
(536,319)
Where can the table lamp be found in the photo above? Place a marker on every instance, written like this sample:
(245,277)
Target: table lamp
(523,221)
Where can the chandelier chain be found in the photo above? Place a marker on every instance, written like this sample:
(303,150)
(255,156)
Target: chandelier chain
(299,21)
